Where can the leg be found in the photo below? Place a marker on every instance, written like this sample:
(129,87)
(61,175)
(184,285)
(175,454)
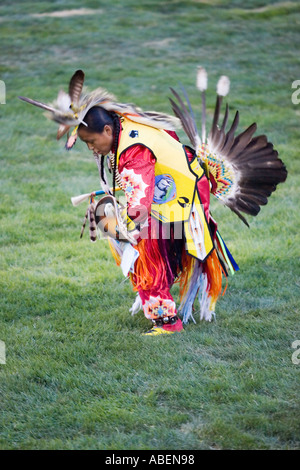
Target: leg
(160,308)
(155,271)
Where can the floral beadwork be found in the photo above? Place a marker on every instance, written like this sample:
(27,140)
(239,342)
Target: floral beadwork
(157,308)
(133,186)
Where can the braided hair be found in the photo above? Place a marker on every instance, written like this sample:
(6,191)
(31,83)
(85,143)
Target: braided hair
(96,119)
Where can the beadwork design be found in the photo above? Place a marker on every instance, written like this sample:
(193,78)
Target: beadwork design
(220,172)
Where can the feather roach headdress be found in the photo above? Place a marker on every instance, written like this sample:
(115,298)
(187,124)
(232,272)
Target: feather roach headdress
(70,108)
(243,170)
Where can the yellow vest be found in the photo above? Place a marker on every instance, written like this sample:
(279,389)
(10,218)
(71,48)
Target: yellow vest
(176,198)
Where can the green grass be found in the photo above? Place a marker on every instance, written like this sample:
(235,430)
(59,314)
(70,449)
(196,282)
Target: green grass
(79,375)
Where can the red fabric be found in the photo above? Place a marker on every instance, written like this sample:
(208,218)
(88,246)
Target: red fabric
(141,160)
(173,134)
(204,191)
(163,292)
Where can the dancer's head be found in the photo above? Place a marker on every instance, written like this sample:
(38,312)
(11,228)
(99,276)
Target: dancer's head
(100,132)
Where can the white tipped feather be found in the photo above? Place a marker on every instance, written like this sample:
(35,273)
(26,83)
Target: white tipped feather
(76,200)
(201,82)
(223,86)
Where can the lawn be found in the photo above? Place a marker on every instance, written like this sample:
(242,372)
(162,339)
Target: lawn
(78,373)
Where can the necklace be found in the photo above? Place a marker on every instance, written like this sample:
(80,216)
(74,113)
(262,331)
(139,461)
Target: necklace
(102,172)
(114,169)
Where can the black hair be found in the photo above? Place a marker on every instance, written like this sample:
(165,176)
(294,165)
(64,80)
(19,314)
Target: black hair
(96,119)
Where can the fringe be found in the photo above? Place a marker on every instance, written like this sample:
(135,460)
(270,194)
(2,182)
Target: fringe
(160,258)
(188,263)
(225,254)
(150,268)
(213,271)
(159,264)
(186,306)
(204,280)
(206,313)
(137,305)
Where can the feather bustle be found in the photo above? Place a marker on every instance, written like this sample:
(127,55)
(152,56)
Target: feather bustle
(251,164)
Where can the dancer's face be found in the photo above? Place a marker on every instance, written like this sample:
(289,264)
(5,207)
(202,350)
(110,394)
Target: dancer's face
(98,142)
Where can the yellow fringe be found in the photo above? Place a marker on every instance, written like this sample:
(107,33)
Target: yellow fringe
(188,263)
(114,252)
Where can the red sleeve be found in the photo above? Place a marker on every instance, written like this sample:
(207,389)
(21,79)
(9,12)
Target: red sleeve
(136,168)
